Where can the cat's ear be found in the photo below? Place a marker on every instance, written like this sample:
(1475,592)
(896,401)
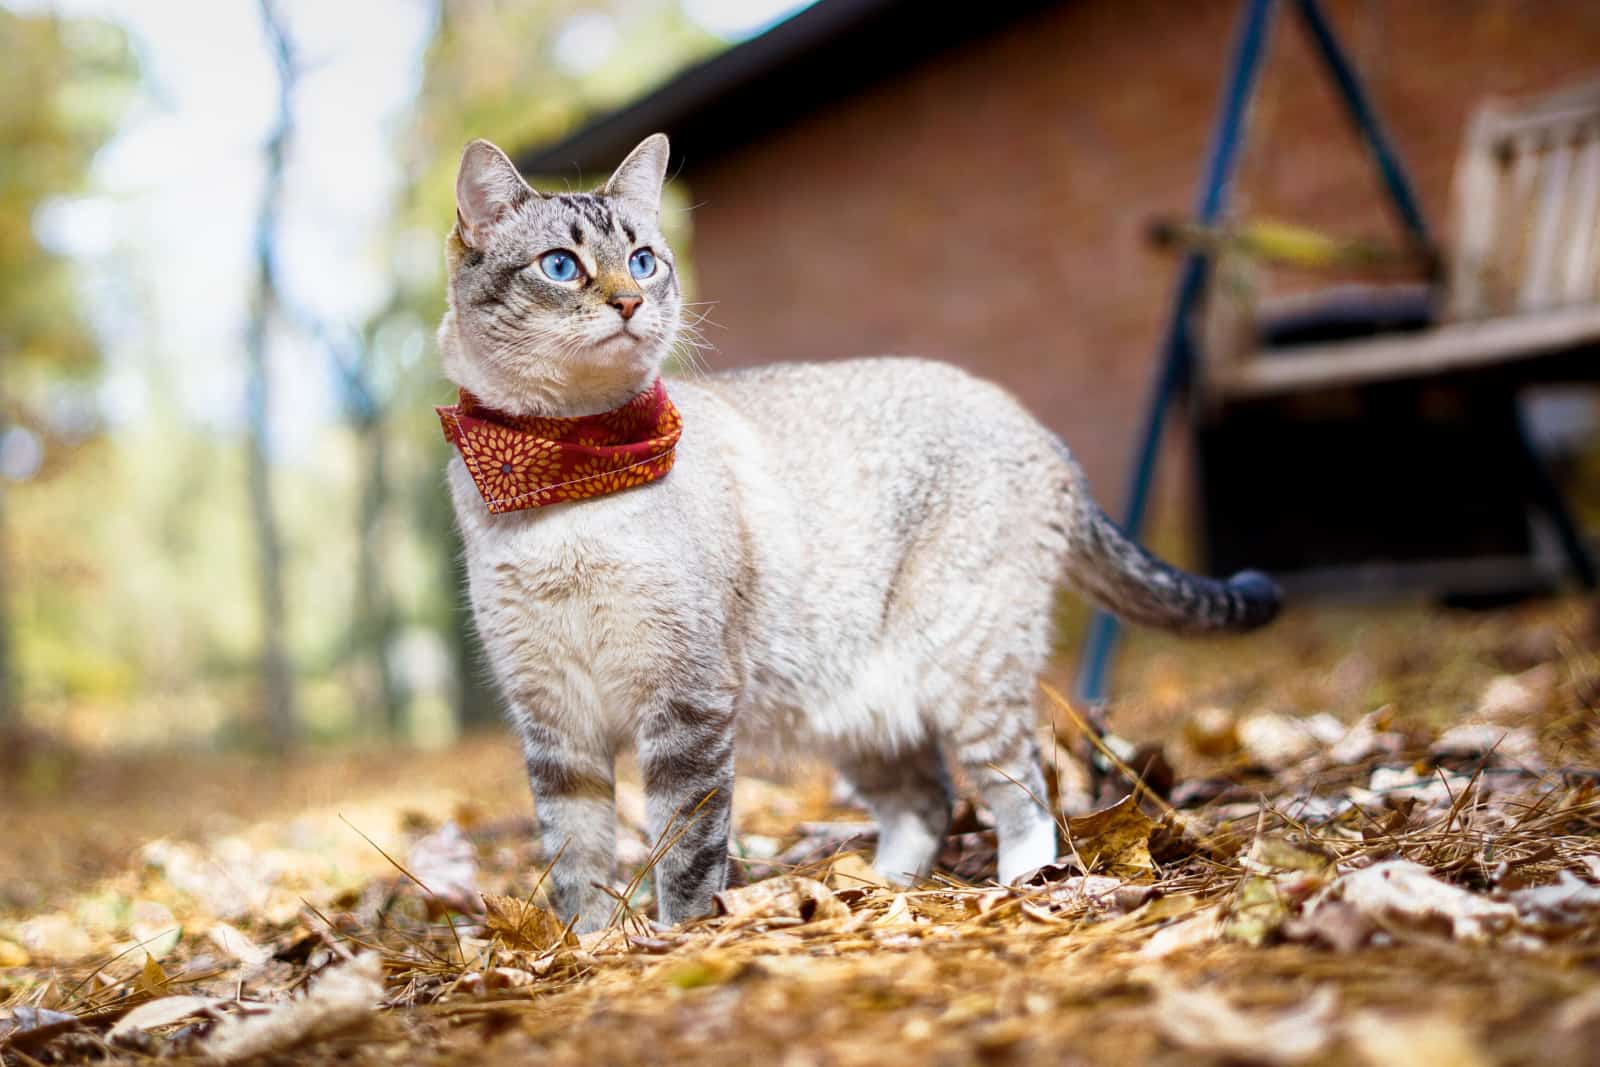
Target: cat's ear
(638,180)
(487,188)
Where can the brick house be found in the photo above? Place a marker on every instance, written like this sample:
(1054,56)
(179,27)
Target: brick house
(879,176)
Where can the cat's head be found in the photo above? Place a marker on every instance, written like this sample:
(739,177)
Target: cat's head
(559,303)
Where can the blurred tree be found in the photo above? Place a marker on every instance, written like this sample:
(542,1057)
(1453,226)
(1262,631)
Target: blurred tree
(277,673)
(63,88)
(379,702)
(520,74)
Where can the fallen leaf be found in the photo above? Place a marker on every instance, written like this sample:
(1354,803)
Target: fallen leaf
(1566,901)
(155,930)
(898,913)
(231,879)
(152,979)
(1395,788)
(29,1027)
(447,864)
(788,897)
(236,944)
(495,978)
(1256,912)
(55,936)
(697,973)
(1283,874)
(1400,889)
(1195,930)
(1206,1022)
(154,1014)
(344,997)
(1212,732)
(1436,1040)
(990,899)
(1500,746)
(522,924)
(1341,926)
(1100,891)
(1275,741)
(1273,853)
(1369,737)
(1113,839)
(1514,696)
(851,871)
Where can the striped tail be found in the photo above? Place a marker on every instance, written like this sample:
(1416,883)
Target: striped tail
(1129,582)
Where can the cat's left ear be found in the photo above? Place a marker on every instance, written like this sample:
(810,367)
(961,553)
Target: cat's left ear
(638,180)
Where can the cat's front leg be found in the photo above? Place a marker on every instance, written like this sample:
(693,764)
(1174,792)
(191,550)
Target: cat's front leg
(686,754)
(574,796)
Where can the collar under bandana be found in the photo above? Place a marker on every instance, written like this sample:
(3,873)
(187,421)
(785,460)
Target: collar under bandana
(529,461)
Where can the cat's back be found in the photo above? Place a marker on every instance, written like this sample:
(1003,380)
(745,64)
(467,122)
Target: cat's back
(885,412)
(886,386)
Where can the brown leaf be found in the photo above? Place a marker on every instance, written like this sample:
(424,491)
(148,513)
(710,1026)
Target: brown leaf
(1203,1021)
(1113,839)
(522,924)
(851,871)
(1341,926)
(152,979)
(787,897)
(494,979)
(13,954)
(343,997)
(1405,891)
(154,1014)
(30,1027)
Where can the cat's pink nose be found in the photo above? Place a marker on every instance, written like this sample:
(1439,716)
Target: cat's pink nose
(626,304)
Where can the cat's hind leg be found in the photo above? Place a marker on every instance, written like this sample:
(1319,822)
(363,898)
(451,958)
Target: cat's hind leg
(909,796)
(996,747)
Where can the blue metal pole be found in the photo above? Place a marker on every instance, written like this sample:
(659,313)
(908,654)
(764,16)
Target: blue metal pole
(1176,346)
(1390,168)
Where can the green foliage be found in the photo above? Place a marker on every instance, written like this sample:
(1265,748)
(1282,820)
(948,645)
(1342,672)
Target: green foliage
(63,87)
(132,573)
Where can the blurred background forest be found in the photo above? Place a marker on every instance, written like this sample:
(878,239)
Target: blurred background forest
(221,516)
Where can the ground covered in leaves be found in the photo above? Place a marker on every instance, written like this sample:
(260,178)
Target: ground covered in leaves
(1361,839)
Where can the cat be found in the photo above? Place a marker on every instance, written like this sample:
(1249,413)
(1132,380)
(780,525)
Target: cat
(854,559)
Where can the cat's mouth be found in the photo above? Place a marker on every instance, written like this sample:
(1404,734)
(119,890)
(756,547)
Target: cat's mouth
(624,335)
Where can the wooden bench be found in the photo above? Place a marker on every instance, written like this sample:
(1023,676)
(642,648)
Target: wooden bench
(1399,458)
(1522,282)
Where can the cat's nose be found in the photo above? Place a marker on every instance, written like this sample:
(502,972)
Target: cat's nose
(626,304)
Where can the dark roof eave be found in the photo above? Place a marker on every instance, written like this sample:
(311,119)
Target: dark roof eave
(828,51)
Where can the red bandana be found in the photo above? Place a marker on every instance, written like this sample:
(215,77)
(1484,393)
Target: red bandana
(529,461)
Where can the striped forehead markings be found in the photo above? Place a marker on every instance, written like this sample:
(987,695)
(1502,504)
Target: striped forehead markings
(593,210)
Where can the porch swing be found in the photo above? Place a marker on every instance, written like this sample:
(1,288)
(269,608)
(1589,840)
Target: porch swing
(1370,438)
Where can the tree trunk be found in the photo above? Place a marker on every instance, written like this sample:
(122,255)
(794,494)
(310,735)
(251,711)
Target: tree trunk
(277,674)
(382,704)
(10,701)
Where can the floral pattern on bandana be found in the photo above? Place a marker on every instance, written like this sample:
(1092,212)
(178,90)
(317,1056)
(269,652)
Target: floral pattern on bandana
(520,462)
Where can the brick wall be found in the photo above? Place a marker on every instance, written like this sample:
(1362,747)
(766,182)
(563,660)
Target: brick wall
(989,208)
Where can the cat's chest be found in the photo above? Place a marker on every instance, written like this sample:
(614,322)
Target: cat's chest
(575,596)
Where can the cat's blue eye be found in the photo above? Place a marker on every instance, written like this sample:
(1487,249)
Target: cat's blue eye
(559,266)
(642,263)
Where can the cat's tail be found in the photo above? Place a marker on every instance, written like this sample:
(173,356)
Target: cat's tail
(1129,582)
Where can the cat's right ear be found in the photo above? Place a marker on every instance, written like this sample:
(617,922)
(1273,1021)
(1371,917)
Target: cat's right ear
(488,188)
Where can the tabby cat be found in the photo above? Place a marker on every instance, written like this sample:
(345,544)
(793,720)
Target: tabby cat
(852,559)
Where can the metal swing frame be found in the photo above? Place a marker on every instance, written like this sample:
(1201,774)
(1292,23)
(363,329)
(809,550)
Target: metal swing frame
(1178,347)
